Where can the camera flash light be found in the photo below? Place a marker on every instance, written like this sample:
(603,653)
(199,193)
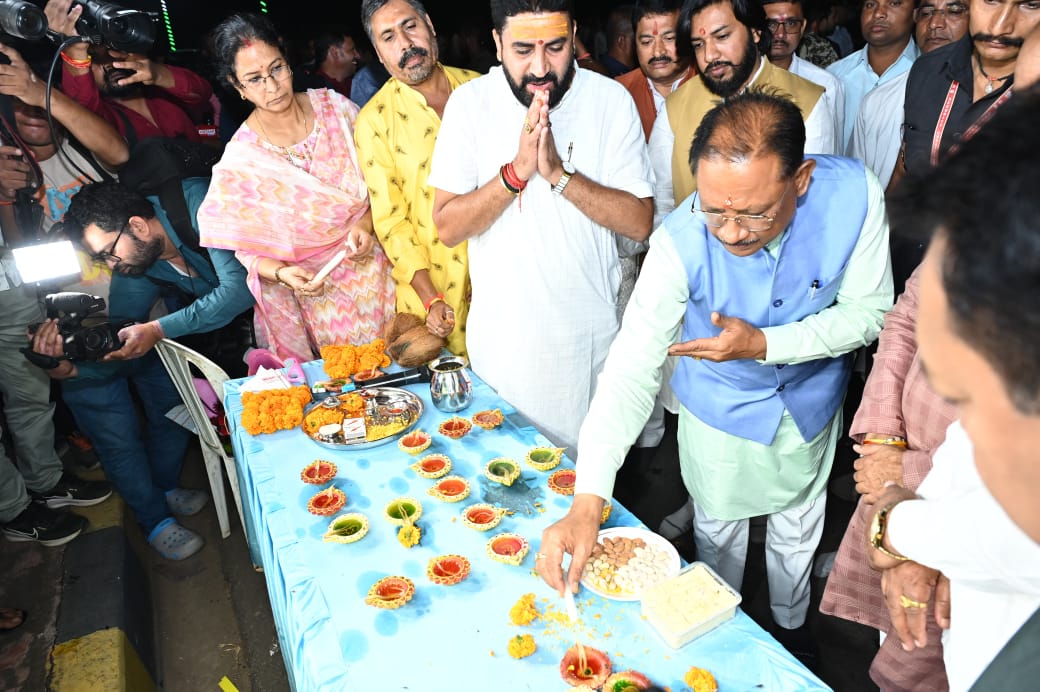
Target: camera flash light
(48,261)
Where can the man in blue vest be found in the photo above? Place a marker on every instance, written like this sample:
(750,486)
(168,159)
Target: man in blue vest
(766,278)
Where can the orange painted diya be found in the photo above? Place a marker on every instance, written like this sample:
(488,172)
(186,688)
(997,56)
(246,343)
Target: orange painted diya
(432,466)
(415,442)
(327,502)
(489,420)
(447,570)
(390,592)
(482,517)
(508,548)
(450,489)
(562,481)
(318,472)
(455,427)
(583,665)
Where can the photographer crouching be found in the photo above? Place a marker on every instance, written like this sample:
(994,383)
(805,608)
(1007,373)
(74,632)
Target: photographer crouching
(205,290)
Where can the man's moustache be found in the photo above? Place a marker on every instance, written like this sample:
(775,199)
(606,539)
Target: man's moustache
(661,61)
(411,53)
(718,63)
(1009,41)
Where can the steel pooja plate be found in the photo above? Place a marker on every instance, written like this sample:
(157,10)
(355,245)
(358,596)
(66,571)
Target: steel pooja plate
(383,406)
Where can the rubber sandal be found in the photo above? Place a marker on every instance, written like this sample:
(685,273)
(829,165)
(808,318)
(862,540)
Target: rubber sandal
(173,541)
(9,614)
(185,502)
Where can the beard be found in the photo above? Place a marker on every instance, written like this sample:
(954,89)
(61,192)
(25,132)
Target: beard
(109,86)
(418,73)
(741,73)
(556,91)
(145,255)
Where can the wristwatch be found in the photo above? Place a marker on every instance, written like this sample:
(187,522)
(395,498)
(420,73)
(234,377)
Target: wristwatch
(877,532)
(568,171)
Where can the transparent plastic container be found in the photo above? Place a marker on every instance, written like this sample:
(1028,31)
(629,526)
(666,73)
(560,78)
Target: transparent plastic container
(689,605)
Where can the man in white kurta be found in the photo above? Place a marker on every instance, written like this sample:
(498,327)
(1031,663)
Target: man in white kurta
(545,275)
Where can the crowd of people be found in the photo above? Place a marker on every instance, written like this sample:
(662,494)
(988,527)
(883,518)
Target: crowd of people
(773,188)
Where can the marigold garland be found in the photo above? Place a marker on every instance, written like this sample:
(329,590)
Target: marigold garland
(345,361)
(274,409)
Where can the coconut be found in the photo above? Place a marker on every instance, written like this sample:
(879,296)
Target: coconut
(416,346)
(401,322)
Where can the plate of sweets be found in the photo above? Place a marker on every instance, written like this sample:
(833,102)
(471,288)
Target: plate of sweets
(363,418)
(627,560)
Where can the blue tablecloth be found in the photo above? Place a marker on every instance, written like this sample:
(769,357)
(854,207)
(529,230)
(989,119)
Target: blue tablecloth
(447,637)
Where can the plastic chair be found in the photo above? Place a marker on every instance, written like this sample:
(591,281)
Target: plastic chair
(177,359)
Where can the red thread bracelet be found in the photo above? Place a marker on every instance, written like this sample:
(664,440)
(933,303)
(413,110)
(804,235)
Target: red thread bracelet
(439,298)
(73,62)
(512,178)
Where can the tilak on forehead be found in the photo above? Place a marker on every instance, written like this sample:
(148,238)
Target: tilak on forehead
(729,201)
(540,27)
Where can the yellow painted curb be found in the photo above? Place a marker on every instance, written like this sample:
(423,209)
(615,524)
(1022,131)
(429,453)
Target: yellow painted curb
(102,660)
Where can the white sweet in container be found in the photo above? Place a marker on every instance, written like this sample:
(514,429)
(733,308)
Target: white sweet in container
(689,605)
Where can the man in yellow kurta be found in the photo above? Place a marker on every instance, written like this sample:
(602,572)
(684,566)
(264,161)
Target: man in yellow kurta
(395,133)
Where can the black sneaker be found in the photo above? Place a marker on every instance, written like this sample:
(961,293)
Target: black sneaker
(73,492)
(43,525)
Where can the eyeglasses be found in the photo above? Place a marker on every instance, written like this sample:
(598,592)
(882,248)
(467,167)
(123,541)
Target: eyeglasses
(105,256)
(752,223)
(791,24)
(926,12)
(278,73)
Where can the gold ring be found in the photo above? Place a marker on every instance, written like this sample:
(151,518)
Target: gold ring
(538,556)
(527,128)
(907,602)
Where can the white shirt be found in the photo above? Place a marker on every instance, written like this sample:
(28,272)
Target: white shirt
(859,78)
(545,277)
(877,132)
(819,139)
(834,92)
(993,566)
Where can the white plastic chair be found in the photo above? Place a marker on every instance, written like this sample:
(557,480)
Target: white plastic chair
(177,359)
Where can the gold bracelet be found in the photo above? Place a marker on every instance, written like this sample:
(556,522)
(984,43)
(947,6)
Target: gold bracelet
(278,278)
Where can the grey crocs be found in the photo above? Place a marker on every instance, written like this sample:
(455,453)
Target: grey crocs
(173,541)
(185,502)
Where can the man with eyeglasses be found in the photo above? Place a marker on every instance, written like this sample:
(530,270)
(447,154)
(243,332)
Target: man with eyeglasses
(786,23)
(150,263)
(764,280)
(876,134)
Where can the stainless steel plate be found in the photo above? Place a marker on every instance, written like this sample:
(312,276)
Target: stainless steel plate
(382,405)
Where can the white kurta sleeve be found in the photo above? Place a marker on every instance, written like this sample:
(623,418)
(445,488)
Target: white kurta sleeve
(820,135)
(662,140)
(454,166)
(630,380)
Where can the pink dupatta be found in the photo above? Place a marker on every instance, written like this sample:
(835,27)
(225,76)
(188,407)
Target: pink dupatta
(261,205)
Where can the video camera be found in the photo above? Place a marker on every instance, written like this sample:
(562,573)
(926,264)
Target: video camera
(83,341)
(104,23)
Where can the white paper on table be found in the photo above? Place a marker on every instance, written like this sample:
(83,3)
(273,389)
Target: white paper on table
(265,379)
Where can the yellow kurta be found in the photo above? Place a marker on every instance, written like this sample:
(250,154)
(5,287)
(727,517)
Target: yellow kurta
(395,133)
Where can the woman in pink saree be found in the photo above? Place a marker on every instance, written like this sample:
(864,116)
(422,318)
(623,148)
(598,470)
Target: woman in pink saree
(288,196)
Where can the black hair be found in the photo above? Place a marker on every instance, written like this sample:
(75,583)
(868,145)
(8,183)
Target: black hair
(652,7)
(370,7)
(773,2)
(325,40)
(231,34)
(748,12)
(756,123)
(619,22)
(501,10)
(107,205)
(982,201)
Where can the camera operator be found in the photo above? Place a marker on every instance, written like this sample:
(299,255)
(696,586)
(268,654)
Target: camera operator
(131,234)
(156,99)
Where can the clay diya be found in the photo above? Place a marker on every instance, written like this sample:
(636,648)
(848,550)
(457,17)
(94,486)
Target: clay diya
(390,592)
(502,470)
(415,442)
(450,489)
(545,458)
(318,472)
(402,510)
(583,665)
(347,528)
(562,481)
(482,517)
(627,681)
(489,420)
(432,466)
(366,375)
(509,548)
(327,502)
(455,427)
(447,570)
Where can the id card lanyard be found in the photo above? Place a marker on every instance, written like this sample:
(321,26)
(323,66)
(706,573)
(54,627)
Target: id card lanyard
(944,117)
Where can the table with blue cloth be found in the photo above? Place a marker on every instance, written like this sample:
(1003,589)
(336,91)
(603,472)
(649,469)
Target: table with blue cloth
(448,637)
